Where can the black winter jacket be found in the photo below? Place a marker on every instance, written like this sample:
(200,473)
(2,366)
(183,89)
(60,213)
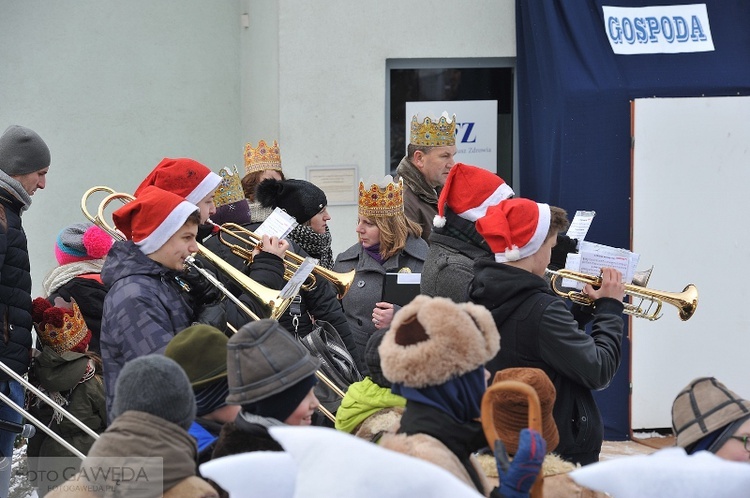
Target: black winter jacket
(15,288)
(537,330)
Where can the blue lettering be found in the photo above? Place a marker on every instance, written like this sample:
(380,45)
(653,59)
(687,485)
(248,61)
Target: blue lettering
(653,28)
(696,31)
(468,127)
(667,29)
(681,29)
(615,33)
(640,30)
(627,31)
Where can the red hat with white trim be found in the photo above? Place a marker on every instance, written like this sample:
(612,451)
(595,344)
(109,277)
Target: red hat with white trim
(152,218)
(469,191)
(185,177)
(515,228)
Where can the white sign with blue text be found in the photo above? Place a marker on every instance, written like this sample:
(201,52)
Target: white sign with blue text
(664,29)
(476,128)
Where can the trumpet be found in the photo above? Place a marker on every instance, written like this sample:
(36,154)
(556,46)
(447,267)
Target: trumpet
(651,301)
(292,261)
(273,303)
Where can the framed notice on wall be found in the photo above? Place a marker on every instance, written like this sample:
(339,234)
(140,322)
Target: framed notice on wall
(340,183)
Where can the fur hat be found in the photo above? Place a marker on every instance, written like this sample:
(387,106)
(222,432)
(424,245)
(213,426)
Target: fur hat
(707,409)
(60,329)
(469,191)
(185,177)
(82,242)
(299,198)
(515,229)
(22,151)
(157,385)
(201,350)
(152,218)
(433,339)
(511,409)
(264,359)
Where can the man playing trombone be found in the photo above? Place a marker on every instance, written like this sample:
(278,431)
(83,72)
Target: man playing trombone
(536,327)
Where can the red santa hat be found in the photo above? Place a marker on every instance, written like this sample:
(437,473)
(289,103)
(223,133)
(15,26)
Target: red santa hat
(515,228)
(185,177)
(152,218)
(469,191)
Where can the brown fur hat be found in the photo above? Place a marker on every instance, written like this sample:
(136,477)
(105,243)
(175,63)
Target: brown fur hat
(511,409)
(433,339)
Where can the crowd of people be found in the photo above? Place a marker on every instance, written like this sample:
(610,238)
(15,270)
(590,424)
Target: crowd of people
(135,339)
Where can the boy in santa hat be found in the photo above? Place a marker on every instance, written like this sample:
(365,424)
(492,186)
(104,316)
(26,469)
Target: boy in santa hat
(537,329)
(145,306)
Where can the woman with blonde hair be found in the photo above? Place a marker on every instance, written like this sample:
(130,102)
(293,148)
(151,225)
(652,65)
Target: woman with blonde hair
(388,243)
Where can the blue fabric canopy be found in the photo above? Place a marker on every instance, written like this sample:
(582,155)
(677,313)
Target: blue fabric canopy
(574,116)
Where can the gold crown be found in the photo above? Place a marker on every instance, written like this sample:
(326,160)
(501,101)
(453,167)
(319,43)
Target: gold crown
(230,188)
(430,133)
(262,157)
(383,199)
(66,337)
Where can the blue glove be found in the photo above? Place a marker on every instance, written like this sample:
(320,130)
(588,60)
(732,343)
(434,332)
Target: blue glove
(517,477)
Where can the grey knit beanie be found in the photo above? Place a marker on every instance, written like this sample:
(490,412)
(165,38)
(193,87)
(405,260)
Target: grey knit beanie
(22,151)
(299,198)
(157,385)
(264,359)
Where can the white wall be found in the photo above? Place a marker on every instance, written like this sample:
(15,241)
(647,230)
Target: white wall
(113,87)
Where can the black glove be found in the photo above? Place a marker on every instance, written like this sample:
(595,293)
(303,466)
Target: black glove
(564,246)
(212,314)
(201,291)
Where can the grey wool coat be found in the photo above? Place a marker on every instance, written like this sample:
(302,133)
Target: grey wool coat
(367,288)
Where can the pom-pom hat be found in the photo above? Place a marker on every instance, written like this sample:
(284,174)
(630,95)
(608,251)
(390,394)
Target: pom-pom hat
(433,339)
(152,218)
(299,198)
(82,242)
(469,191)
(60,329)
(185,177)
(515,228)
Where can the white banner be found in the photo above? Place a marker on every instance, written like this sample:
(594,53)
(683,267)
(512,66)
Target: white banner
(476,128)
(668,29)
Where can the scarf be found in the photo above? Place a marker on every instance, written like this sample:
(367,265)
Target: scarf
(61,275)
(414,179)
(14,187)
(374,252)
(317,245)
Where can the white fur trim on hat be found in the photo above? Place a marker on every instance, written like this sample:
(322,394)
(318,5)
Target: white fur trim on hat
(166,228)
(204,188)
(438,221)
(533,245)
(500,194)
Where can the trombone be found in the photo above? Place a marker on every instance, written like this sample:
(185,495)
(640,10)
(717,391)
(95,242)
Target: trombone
(650,303)
(252,241)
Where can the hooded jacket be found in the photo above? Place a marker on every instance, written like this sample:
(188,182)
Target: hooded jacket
(537,330)
(144,308)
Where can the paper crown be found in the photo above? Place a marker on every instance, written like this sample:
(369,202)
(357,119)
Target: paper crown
(262,157)
(384,198)
(60,329)
(230,187)
(431,132)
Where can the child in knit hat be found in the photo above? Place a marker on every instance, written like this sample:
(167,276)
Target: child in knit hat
(152,410)
(146,306)
(706,415)
(434,354)
(65,371)
(80,250)
(201,350)
(271,376)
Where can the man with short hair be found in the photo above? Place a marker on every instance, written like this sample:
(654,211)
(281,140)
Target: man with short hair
(425,168)
(24,162)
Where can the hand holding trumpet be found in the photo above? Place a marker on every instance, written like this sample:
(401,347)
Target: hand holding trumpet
(612,286)
(272,245)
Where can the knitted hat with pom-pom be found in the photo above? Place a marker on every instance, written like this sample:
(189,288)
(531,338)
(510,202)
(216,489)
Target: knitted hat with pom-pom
(81,242)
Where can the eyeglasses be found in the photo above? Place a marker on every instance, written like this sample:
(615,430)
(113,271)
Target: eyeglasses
(745,440)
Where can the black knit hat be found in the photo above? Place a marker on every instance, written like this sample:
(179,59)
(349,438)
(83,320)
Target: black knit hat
(299,198)
(22,151)
(284,403)
(157,385)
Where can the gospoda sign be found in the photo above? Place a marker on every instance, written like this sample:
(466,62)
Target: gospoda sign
(658,30)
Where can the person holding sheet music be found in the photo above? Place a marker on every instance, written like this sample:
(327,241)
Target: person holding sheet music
(536,327)
(388,243)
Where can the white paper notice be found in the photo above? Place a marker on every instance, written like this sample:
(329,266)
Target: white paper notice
(278,224)
(594,257)
(579,227)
